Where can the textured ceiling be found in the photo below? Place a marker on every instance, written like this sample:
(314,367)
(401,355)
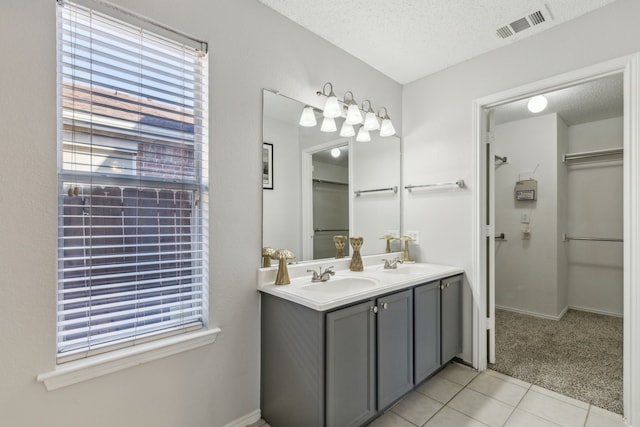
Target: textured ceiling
(595,100)
(409,39)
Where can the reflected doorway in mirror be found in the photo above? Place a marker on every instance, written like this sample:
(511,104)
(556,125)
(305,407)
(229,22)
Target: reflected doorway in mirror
(267,166)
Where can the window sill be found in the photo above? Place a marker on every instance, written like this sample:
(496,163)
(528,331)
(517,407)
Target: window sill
(96,366)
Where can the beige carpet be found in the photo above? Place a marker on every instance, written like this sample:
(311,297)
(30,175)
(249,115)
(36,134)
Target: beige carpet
(579,356)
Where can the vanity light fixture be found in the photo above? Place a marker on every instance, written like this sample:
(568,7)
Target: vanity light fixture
(537,104)
(370,119)
(386,128)
(328,125)
(308,117)
(363,135)
(332,107)
(347,130)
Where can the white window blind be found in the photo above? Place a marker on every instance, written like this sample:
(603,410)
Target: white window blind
(133,195)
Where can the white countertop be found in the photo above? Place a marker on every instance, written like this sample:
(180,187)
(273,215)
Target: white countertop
(347,286)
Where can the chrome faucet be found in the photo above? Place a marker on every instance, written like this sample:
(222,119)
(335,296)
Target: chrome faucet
(320,276)
(393,264)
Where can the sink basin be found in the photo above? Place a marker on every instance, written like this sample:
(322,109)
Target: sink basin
(336,287)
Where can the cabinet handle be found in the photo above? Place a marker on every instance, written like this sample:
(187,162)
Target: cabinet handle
(442,286)
(384,305)
(447,285)
(373,309)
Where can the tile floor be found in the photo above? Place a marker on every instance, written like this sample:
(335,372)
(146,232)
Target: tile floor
(458,396)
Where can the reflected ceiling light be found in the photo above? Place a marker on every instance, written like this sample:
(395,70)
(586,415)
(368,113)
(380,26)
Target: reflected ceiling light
(332,107)
(308,117)
(537,104)
(335,153)
(328,125)
(363,135)
(370,119)
(386,127)
(354,117)
(347,130)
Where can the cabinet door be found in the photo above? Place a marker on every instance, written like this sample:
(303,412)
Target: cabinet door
(451,307)
(350,356)
(395,347)
(426,303)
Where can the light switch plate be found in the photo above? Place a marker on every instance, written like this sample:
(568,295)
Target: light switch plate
(524,218)
(415,235)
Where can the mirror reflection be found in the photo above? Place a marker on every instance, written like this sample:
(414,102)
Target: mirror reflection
(318,185)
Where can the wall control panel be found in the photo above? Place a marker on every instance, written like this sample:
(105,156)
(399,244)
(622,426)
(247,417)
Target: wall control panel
(526,190)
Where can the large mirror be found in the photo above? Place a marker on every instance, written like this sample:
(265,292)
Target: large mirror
(317,185)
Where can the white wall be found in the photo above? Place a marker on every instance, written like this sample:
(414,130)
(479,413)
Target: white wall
(437,124)
(376,164)
(251,48)
(527,270)
(544,276)
(281,207)
(595,210)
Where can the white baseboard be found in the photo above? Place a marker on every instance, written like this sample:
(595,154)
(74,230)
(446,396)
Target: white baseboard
(245,420)
(591,310)
(533,313)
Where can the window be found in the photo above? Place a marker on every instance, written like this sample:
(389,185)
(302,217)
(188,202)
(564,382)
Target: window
(133,184)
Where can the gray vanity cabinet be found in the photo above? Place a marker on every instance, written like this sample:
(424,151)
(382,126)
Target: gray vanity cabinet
(395,346)
(342,367)
(438,325)
(451,317)
(351,365)
(292,375)
(355,335)
(427,330)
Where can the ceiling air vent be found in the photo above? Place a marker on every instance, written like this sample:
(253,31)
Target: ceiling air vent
(533,18)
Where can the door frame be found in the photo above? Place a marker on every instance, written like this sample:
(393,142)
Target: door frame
(629,66)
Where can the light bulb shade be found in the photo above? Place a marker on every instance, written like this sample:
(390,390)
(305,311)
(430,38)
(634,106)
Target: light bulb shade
(347,130)
(386,128)
(537,104)
(371,121)
(328,125)
(363,135)
(308,117)
(332,107)
(354,117)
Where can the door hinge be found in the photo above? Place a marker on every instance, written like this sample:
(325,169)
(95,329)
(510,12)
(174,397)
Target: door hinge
(489,231)
(490,324)
(489,137)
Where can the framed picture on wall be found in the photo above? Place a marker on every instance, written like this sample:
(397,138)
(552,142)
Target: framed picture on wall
(267,166)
